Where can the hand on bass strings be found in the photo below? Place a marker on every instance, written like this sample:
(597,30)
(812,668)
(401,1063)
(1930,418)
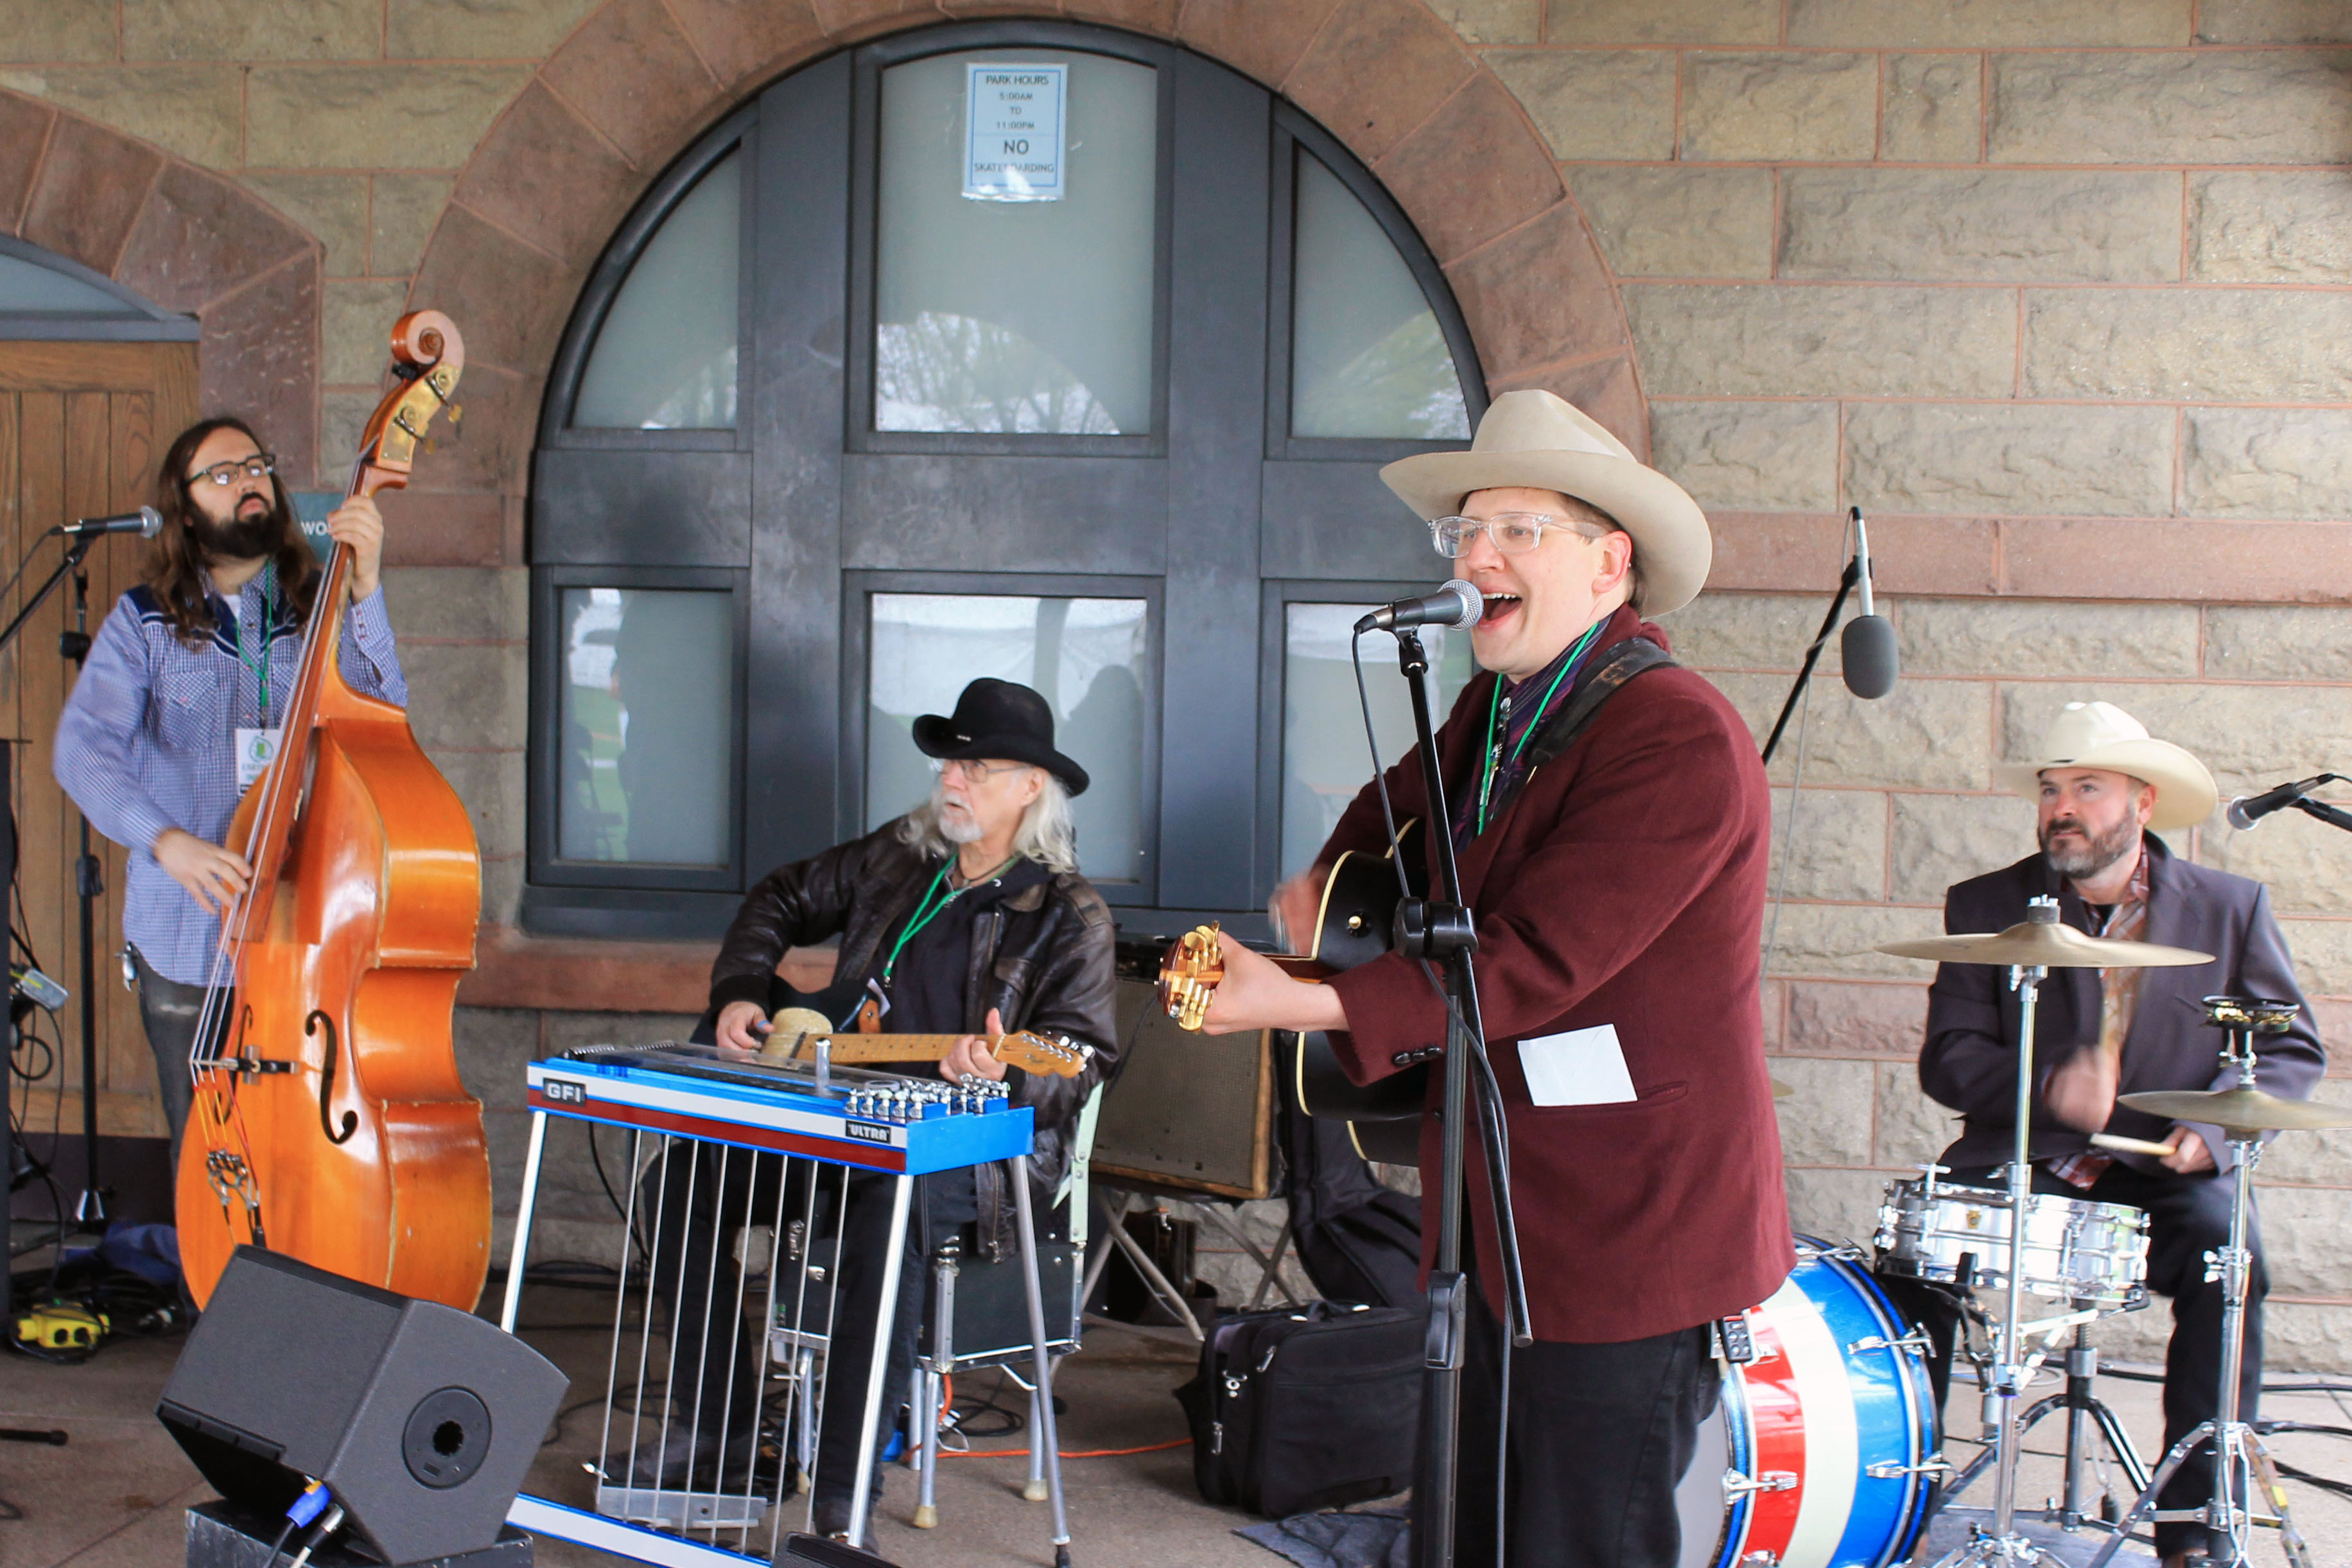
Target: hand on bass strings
(972,1054)
(1257,994)
(2190,1156)
(2080,1091)
(212,876)
(1292,908)
(742,1027)
(359,524)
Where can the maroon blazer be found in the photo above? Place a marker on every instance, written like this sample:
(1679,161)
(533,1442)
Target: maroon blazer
(1624,884)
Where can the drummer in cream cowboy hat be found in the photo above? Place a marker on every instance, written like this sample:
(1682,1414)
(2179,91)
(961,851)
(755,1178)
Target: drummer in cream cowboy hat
(1537,462)
(2102,737)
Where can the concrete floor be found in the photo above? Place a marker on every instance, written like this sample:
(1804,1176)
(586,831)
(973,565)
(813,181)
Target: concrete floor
(116,1494)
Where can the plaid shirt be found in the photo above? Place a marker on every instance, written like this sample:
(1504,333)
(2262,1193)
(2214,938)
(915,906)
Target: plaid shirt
(148,741)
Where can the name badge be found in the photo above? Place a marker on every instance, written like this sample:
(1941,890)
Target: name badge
(255,750)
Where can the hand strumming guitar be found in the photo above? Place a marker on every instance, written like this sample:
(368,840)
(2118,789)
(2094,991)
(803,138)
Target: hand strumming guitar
(1257,994)
(971,1054)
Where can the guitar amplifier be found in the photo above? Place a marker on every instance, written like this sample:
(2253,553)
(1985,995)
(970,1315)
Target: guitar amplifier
(1188,1113)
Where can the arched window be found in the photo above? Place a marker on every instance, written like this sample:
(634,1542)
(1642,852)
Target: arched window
(1009,348)
(45,297)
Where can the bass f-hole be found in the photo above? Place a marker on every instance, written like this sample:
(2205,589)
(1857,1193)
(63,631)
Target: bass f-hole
(317,1021)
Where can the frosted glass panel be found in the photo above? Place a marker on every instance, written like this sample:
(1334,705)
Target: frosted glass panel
(648,734)
(1324,758)
(1027,316)
(1085,656)
(28,287)
(664,358)
(1367,357)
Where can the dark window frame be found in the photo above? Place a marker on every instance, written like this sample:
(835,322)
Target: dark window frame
(1276,595)
(864,259)
(737,132)
(544,867)
(856,650)
(1295,136)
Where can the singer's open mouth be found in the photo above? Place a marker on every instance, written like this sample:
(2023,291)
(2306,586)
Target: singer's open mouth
(1499,607)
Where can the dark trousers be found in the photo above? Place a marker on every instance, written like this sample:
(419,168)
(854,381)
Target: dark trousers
(2187,1217)
(168,1013)
(1600,1436)
(697,1197)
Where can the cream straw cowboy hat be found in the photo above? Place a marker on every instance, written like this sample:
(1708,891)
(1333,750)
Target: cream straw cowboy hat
(2102,735)
(1537,440)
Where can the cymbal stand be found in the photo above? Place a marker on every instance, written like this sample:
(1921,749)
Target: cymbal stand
(2227,1515)
(2083,1408)
(2002,1544)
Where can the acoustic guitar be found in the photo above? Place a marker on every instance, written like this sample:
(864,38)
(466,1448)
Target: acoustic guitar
(1354,923)
(796,1033)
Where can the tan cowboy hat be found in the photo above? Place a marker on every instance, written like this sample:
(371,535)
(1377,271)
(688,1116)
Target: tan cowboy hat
(1538,440)
(2102,735)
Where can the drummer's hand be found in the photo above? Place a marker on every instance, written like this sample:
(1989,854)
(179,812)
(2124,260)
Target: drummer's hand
(212,876)
(2082,1092)
(1257,994)
(359,524)
(742,1027)
(1292,908)
(2190,1156)
(972,1054)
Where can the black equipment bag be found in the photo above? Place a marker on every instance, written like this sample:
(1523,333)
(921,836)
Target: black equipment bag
(1308,1407)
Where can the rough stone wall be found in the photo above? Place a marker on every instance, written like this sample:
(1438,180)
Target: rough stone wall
(2057,289)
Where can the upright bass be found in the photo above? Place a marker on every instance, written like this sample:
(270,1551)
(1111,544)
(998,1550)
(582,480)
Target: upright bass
(329,1123)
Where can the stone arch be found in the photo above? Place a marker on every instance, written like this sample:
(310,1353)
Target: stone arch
(187,240)
(639,80)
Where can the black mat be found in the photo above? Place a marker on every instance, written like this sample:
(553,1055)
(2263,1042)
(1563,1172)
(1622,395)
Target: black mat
(1369,1538)
(1948,1531)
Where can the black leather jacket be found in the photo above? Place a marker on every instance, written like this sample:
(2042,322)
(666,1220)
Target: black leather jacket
(1041,957)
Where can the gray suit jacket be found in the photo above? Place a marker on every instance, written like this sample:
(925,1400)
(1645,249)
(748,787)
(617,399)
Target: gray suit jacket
(1969,1060)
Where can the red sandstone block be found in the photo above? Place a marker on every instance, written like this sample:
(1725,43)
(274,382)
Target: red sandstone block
(1832,1018)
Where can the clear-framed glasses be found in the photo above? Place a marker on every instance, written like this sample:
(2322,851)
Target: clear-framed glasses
(1514,533)
(973,772)
(260,465)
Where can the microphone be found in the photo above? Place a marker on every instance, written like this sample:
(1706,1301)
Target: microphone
(1456,604)
(2247,810)
(145,522)
(1867,652)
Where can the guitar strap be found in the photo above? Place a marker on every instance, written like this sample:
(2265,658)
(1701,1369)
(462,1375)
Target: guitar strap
(1624,662)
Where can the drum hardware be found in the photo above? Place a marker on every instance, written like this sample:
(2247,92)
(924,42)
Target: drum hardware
(1888,1471)
(1917,1340)
(1737,1486)
(2244,1113)
(2029,950)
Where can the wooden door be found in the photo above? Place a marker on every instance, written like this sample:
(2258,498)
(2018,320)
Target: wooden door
(81,426)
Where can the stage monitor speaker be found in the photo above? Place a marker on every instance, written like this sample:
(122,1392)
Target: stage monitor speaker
(1188,1113)
(419,1418)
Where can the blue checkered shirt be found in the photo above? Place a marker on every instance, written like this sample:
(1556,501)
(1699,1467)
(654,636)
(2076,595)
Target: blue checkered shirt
(148,741)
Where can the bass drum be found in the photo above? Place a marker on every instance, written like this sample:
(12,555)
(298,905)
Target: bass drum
(1821,1452)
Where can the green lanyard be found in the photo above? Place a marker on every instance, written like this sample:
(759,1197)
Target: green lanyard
(925,913)
(269,626)
(1494,705)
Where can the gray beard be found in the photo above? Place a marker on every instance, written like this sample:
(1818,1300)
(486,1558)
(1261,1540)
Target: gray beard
(2094,856)
(960,829)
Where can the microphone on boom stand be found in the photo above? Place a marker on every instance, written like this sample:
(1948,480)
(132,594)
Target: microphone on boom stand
(1458,603)
(1867,651)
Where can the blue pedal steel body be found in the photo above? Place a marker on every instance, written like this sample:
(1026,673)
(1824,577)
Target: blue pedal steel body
(635,1090)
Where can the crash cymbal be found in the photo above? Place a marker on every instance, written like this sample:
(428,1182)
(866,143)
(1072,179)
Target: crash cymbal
(2238,1110)
(2050,945)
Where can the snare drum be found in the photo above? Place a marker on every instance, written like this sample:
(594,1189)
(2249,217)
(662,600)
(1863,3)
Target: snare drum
(1822,1452)
(2075,1250)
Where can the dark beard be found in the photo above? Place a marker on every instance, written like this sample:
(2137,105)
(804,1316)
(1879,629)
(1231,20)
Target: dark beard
(244,539)
(2103,851)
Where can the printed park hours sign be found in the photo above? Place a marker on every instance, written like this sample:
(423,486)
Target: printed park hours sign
(1012,131)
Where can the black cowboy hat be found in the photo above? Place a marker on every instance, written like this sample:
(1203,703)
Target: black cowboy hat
(999,718)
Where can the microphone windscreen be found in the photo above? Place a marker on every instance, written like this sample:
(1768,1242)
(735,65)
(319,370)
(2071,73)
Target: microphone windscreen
(151,523)
(1867,652)
(1470,605)
(2237,815)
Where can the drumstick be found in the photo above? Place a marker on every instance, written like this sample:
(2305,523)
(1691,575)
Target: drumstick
(2131,1145)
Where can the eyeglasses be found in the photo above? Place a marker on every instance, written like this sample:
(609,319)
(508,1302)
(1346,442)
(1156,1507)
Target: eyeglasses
(1513,532)
(260,465)
(974,771)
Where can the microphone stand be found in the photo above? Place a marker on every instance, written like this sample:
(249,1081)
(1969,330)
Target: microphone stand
(1813,654)
(90,1209)
(1441,930)
(2334,817)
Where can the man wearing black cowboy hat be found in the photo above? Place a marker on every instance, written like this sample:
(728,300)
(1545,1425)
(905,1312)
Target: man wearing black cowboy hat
(968,915)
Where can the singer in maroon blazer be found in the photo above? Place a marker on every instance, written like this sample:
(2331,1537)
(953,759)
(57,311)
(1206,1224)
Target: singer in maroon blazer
(1624,885)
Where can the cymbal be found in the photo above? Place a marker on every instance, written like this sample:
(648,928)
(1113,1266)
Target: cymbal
(2238,1110)
(2050,945)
